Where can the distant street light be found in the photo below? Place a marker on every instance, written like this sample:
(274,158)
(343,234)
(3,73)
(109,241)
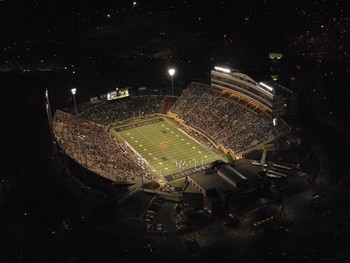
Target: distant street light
(74,90)
(171,73)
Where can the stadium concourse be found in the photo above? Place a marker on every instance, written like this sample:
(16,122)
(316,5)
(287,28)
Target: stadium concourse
(216,118)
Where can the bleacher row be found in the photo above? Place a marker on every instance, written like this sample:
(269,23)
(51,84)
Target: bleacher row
(91,146)
(229,122)
(108,112)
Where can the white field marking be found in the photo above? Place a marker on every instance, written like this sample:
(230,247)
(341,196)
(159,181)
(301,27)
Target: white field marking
(166,168)
(145,149)
(171,132)
(205,156)
(140,145)
(177,135)
(188,143)
(149,153)
(167,128)
(182,139)
(162,125)
(193,147)
(132,137)
(160,163)
(136,141)
(199,152)
(128,134)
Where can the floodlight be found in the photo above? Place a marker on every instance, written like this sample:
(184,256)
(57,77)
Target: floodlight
(171,73)
(274,121)
(266,86)
(226,70)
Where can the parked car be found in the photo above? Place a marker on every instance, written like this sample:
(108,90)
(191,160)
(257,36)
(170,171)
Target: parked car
(149,216)
(181,227)
(149,227)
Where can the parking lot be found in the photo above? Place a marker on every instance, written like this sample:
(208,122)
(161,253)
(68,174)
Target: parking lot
(173,230)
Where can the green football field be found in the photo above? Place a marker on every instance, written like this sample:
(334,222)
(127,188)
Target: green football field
(164,147)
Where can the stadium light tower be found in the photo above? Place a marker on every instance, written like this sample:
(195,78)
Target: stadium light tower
(48,112)
(74,90)
(171,73)
(274,122)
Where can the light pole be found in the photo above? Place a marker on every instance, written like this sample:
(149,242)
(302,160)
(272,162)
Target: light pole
(171,73)
(74,90)
(48,112)
(274,122)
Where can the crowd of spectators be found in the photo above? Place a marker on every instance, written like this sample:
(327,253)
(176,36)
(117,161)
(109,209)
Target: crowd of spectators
(225,119)
(89,144)
(201,139)
(228,120)
(108,112)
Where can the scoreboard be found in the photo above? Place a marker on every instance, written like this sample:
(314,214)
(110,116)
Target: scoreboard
(118,93)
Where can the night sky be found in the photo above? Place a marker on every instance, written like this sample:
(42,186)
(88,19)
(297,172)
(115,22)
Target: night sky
(97,45)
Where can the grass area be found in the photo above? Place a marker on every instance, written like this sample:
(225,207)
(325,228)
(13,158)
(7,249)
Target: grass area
(164,147)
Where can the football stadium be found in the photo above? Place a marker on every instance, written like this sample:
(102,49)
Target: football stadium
(132,138)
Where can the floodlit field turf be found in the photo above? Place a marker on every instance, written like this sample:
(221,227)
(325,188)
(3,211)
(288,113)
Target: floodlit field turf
(167,149)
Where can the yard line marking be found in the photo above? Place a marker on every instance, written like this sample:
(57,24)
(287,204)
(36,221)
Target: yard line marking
(150,137)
